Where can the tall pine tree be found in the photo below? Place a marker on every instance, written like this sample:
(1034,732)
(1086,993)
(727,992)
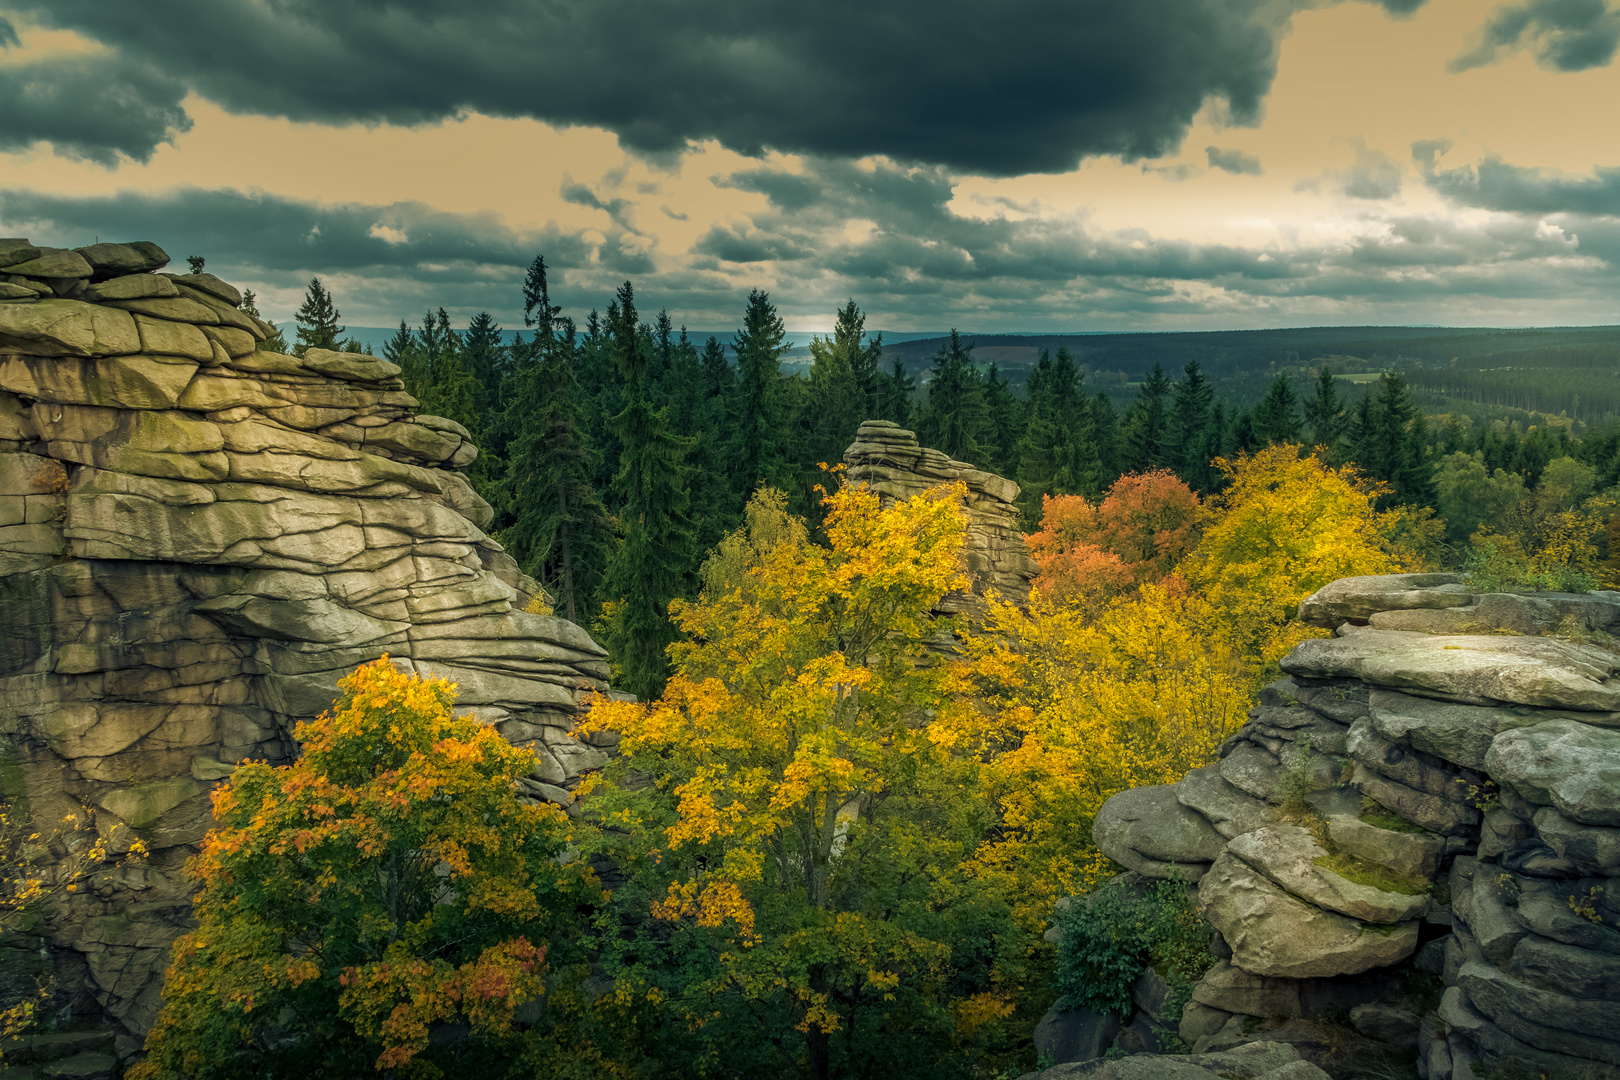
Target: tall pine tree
(1326,414)
(1147,424)
(955,421)
(1276,418)
(317,320)
(656,559)
(560,534)
(759,346)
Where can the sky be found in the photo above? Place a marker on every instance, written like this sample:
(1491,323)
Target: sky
(1036,165)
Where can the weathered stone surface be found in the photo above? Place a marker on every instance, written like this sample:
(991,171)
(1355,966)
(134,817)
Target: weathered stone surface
(133,287)
(1250,1061)
(1233,990)
(1230,810)
(1562,763)
(1542,1018)
(53,263)
(111,260)
(1415,855)
(213,286)
(1273,933)
(1457,733)
(1080,1035)
(1386,1024)
(1360,597)
(1475,669)
(1580,973)
(1147,825)
(65,328)
(1288,855)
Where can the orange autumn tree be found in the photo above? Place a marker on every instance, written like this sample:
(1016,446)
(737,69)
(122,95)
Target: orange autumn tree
(813,778)
(1137,532)
(386,885)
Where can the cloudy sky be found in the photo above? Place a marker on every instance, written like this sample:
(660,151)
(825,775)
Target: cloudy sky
(1008,165)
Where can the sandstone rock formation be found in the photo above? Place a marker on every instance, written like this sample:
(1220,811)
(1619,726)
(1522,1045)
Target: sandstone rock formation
(197,539)
(1459,753)
(887,458)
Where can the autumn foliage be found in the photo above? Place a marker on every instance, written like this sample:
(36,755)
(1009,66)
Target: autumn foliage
(387,886)
(1137,532)
(814,801)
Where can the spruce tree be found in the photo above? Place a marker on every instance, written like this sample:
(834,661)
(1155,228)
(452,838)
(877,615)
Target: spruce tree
(1191,446)
(561,534)
(656,559)
(276,342)
(317,320)
(897,390)
(841,401)
(1006,414)
(865,358)
(955,421)
(484,357)
(759,346)
(1325,412)
(1276,418)
(1147,424)
(1105,435)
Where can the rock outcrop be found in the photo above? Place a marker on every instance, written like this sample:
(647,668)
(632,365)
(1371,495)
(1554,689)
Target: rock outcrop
(197,540)
(1435,788)
(888,459)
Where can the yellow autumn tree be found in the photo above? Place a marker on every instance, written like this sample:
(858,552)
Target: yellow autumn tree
(1092,706)
(804,796)
(1286,524)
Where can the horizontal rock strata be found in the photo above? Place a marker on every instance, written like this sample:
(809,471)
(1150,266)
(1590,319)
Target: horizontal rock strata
(198,538)
(1444,769)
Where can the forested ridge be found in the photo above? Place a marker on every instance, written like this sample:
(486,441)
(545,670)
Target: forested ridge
(617,449)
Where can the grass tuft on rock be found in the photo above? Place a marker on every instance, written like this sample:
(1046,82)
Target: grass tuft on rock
(1372,875)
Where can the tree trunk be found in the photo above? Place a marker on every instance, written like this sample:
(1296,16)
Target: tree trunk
(567,563)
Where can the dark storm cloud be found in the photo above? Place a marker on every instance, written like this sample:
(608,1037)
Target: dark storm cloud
(1497,185)
(998,89)
(1235,162)
(896,239)
(1564,35)
(94,107)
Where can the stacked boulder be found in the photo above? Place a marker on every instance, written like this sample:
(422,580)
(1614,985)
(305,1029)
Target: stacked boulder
(1434,789)
(888,459)
(198,538)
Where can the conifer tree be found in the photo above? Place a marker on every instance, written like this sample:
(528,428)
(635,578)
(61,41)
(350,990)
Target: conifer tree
(759,346)
(841,401)
(1147,424)
(1105,436)
(1190,448)
(865,358)
(317,320)
(897,390)
(484,357)
(1006,421)
(561,534)
(1276,419)
(955,421)
(1326,414)
(657,556)
(276,342)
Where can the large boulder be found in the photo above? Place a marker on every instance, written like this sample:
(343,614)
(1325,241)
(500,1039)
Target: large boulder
(1562,763)
(1148,830)
(1292,858)
(1476,669)
(1358,598)
(1271,932)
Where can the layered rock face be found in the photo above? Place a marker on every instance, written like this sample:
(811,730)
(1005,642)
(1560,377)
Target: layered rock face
(888,459)
(1436,787)
(197,540)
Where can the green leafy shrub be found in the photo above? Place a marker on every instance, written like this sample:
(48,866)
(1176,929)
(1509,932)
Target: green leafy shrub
(1495,567)
(1111,935)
